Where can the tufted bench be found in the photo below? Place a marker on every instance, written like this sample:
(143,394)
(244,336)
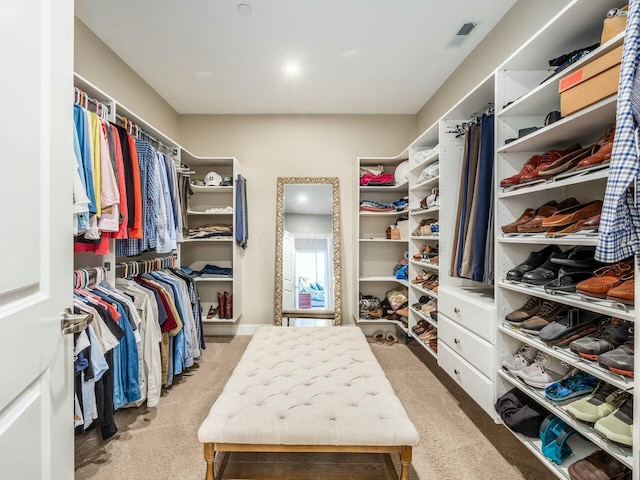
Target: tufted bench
(307,389)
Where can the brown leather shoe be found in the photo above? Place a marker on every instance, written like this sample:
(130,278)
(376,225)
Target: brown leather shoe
(573,214)
(623,293)
(548,158)
(563,164)
(221,305)
(530,166)
(605,279)
(526,216)
(599,466)
(602,151)
(525,312)
(590,224)
(228,305)
(535,224)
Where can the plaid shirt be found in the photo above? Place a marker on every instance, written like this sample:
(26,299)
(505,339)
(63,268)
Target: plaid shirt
(619,231)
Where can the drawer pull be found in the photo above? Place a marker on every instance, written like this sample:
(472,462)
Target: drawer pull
(456,371)
(456,341)
(456,310)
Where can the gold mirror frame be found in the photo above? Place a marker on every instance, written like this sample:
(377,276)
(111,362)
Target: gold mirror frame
(334,181)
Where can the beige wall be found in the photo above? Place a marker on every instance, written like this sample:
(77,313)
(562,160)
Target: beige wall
(96,62)
(522,21)
(271,146)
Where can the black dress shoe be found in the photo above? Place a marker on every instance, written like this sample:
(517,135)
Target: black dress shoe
(545,273)
(533,261)
(580,256)
(568,278)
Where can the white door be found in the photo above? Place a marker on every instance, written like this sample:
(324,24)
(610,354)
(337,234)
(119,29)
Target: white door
(36,375)
(288,272)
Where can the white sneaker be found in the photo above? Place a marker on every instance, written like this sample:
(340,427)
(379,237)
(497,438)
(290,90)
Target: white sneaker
(544,371)
(523,358)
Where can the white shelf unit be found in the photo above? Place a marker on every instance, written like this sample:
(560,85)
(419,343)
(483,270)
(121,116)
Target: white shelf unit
(220,251)
(376,255)
(518,81)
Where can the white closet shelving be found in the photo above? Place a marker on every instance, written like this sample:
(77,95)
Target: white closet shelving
(378,255)
(207,205)
(523,101)
(213,205)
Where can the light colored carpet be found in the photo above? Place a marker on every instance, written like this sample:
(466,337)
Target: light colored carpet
(458,440)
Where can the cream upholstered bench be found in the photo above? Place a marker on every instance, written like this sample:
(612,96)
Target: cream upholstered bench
(308,389)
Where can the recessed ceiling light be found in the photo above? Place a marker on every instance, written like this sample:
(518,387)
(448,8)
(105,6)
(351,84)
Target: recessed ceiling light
(292,69)
(244,9)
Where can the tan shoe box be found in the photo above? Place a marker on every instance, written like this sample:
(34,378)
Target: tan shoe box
(593,82)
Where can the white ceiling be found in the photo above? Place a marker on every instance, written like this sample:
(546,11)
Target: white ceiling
(355,56)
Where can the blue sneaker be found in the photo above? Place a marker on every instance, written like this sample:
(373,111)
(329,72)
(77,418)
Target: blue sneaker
(571,388)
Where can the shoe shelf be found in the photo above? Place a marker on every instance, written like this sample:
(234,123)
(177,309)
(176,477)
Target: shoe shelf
(381,239)
(585,124)
(424,291)
(426,346)
(418,167)
(580,449)
(624,455)
(544,98)
(212,280)
(380,188)
(383,214)
(558,182)
(432,266)
(385,321)
(423,316)
(383,278)
(425,237)
(567,356)
(422,211)
(205,309)
(541,239)
(427,183)
(605,307)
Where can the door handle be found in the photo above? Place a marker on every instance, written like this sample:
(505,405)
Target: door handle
(74,322)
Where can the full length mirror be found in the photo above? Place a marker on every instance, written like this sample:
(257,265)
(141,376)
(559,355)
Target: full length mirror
(308,249)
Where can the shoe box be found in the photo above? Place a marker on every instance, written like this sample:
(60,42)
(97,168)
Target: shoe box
(595,81)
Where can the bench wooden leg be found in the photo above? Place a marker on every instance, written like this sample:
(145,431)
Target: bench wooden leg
(209,455)
(405,460)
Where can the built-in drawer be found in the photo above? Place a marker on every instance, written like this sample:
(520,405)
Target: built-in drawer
(479,387)
(475,350)
(470,308)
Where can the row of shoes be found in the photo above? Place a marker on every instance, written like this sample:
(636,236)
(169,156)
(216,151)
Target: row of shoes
(427,306)
(592,336)
(224,309)
(426,280)
(430,201)
(574,158)
(599,465)
(589,400)
(555,219)
(385,338)
(428,254)
(576,270)
(427,227)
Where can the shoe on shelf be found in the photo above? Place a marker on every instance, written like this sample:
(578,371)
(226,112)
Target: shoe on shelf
(571,388)
(602,402)
(525,312)
(620,360)
(566,162)
(599,466)
(535,224)
(618,427)
(601,152)
(606,278)
(573,214)
(548,158)
(545,273)
(578,257)
(530,166)
(212,312)
(623,293)
(544,371)
(548,312)
(611,333)
(528,215)
(570,325)
(533,261)
(523,358)
(567,279)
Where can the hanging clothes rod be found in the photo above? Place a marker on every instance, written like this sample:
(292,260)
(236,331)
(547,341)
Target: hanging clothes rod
(82,99)
(137,267)
(135,130)
(84,277)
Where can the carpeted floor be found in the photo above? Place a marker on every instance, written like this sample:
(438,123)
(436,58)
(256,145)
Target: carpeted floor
(458,440)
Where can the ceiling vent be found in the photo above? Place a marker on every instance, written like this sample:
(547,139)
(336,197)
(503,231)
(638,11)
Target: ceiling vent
(459,38)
